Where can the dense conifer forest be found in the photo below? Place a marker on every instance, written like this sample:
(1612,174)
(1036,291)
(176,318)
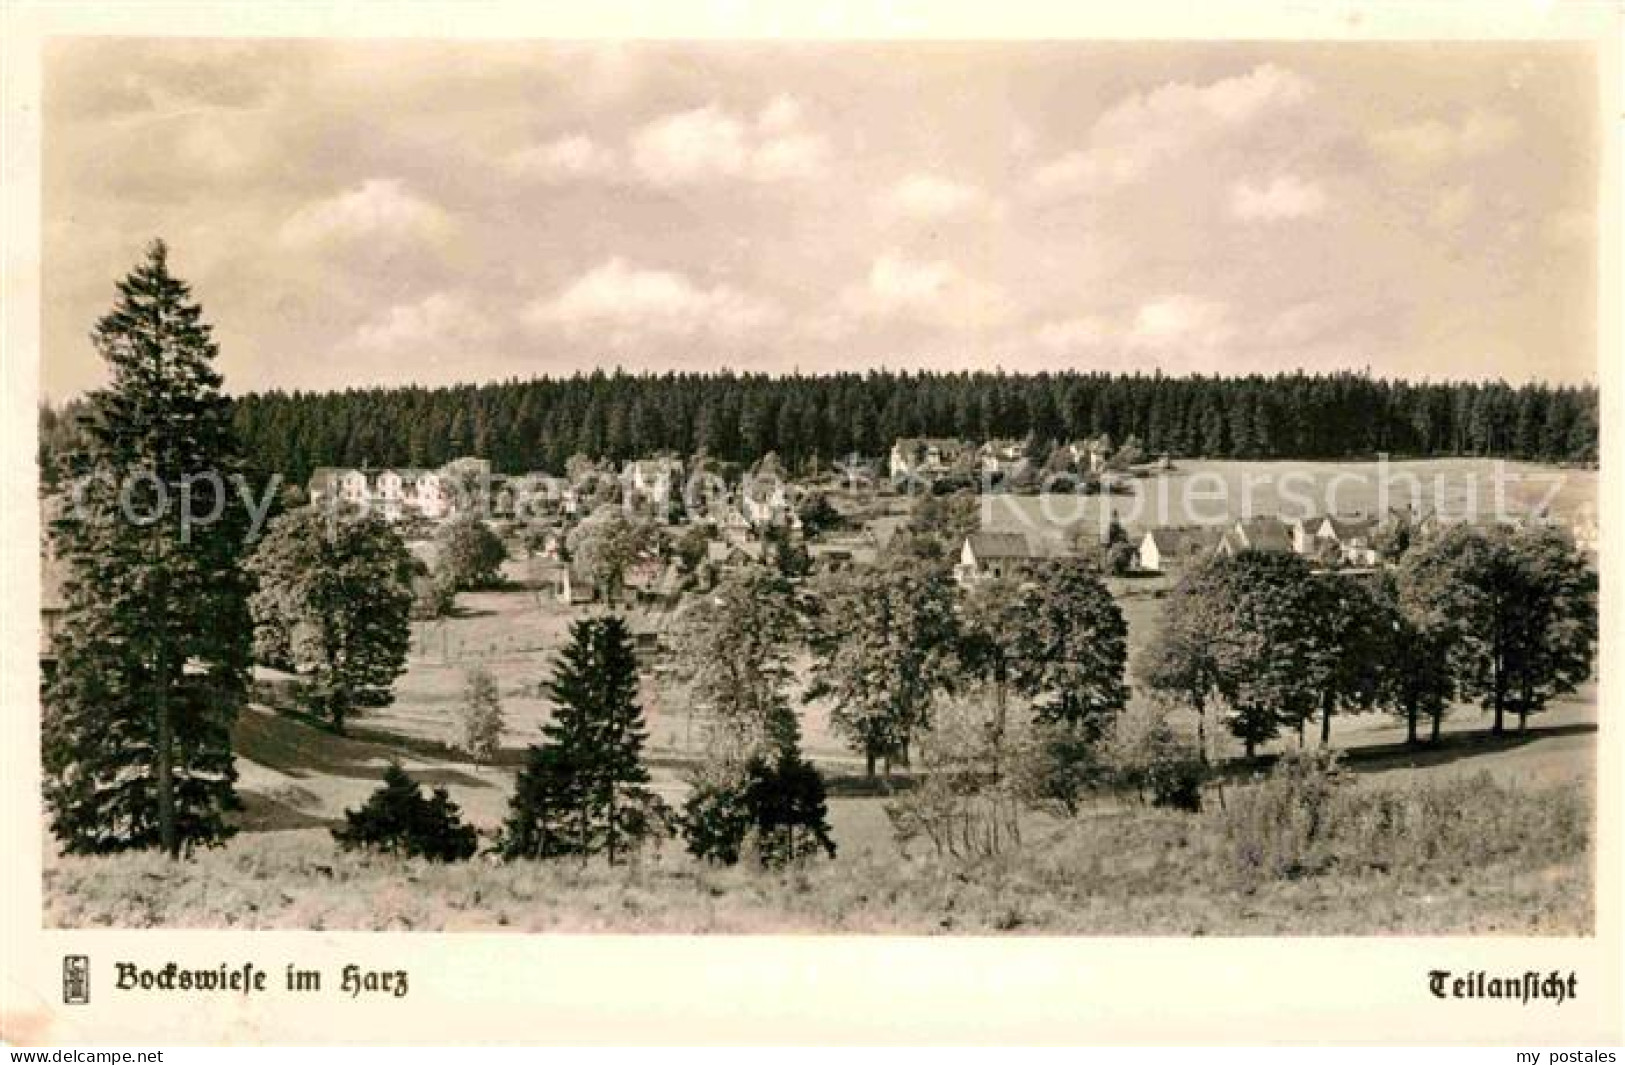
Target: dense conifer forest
(538,424)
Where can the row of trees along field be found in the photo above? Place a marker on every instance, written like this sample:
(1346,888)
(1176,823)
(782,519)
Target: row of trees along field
(1503,616)
(538,424)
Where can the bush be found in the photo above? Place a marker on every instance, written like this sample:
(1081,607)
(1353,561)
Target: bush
(779,805)
(1307,818)
(715,820)
(1144,756)
(480,717)
(961,803)
(1464,823)
(469,554)
(432,597)
(1176,783)
(1054,767)
(397,819)
(1282,827)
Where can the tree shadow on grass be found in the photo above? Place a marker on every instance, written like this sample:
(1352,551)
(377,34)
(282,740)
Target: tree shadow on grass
(298,748)
(1452,747)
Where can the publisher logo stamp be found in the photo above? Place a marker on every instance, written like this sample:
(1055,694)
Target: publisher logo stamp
(75,979)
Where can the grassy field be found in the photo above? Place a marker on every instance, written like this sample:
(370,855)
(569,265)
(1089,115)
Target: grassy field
(1202,491)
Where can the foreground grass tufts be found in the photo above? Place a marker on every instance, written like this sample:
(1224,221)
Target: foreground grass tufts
(1456,856)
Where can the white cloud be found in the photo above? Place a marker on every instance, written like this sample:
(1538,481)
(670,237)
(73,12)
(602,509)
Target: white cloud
(1147,130)
(933,292)
(1453,206)
(566,158)
(1183,322)
(1282,198)
(708,143)
(377,209)
(439,321)
(780,114)
(1177,332)
(929,196)
(1073,334)
(789,157)
(623,302)
(1434,143)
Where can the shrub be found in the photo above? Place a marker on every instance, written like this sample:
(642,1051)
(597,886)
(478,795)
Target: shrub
(1054,767)
(1281,827)
(432,597)
(469,554)
(397,819)
(778,805)
(480,716)
(965,806)
(1144,756)
(1176,783)
(715,820)
(1463,822)
(1306,818)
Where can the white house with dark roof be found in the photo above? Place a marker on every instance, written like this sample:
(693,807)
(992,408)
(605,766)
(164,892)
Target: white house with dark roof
(1168,548)
(396,492)
(1352,537)
(919,456)
(989,555)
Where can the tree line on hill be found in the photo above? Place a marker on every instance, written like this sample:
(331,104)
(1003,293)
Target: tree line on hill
(538,424)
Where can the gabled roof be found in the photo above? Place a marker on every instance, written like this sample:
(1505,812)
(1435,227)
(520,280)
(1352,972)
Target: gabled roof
(1264,534)
(986,545)
(1185,539)
(1350,527)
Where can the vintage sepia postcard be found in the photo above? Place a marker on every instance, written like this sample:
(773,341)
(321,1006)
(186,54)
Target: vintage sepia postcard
(672,524)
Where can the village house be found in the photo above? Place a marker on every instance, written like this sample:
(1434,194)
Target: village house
(734,554)
(1353,539)
(1170,549)
(1256,534)
(654,478)
(654,582)
(575,585)
(1088,455)
(988,555)
(396,492)
(730,522)
(1001,457)
(924,456)
(843,552)
(765,502)
(53,608)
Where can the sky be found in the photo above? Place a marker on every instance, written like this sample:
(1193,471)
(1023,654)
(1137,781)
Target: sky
(356,213)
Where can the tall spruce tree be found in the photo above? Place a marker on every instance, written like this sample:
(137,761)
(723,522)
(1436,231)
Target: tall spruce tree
(153,662)
(583,790)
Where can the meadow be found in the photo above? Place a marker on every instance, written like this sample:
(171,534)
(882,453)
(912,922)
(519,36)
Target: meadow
(1205,491)
(1468,857)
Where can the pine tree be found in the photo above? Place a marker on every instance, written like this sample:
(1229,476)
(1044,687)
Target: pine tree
(583,790)
(397,819)
(153,663)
